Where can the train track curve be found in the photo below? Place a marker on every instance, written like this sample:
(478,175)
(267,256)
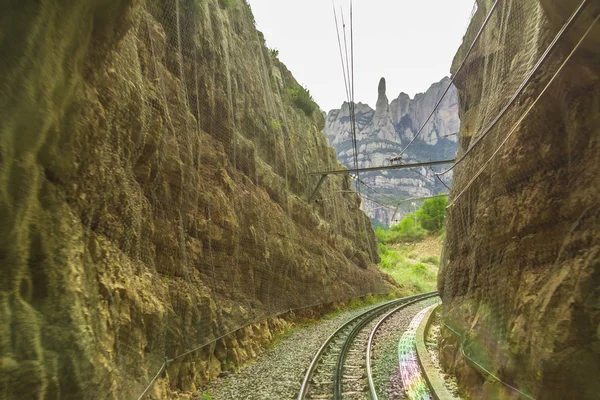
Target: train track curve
(341,361)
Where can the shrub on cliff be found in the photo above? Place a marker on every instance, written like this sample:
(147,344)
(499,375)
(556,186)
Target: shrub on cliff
(432,214)
(274,125)
(302,99)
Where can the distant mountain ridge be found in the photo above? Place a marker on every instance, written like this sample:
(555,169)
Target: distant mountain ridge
(383,132)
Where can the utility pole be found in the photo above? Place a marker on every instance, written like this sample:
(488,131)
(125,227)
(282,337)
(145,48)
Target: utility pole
(415,208)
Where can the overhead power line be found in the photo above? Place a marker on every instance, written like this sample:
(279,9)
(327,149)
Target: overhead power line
(524,84)
(362,182)
(439,178)
(415,199)
(348,73)
(485,22)
(337,29)
(382,168)
(522,118)
(352,103)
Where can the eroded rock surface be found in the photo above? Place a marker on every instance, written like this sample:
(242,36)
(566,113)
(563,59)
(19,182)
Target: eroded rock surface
(520,278)
(153,187)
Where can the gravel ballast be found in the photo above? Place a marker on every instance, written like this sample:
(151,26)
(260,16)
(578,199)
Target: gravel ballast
(278,373)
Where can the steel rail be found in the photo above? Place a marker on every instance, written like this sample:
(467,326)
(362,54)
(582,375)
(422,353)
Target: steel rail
(321,351)
(361,325)
(339,369)
(369,315)
(372,337)
(168,360)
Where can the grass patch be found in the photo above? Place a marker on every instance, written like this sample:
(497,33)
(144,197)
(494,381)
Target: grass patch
(431,260)
(399,247)
(415,276)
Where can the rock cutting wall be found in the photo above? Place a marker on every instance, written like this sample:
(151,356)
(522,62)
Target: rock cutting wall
(384,132)
(153,187)
(520,276)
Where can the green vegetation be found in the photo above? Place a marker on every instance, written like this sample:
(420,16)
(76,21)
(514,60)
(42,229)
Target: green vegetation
(302,99)
(405,231)
(431,260)
(274,53)
(432,214)
(419,278)
(429,218)
(402,262)
(274,125)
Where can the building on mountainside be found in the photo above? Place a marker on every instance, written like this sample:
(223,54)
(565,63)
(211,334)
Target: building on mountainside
(381,136)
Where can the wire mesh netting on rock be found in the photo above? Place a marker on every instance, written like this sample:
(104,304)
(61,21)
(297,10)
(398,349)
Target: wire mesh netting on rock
(156,200)
(517,274)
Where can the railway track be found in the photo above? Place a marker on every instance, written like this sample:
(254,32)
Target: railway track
(341,367)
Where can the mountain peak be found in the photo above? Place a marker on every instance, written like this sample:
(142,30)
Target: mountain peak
(382,133)
(382,106)
(382,87)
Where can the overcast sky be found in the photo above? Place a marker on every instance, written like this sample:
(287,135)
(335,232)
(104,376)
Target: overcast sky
(409,42)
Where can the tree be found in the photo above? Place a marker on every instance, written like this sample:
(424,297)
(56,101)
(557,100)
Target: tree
(405,231)
(432,213)
(407,225)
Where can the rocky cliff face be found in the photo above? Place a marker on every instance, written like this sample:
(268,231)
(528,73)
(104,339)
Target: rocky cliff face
(520,276)
(383,133)
(153,186)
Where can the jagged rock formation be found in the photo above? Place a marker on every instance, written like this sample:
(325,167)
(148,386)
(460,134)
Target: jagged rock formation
(383,133)
(153,187)
(520,276)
